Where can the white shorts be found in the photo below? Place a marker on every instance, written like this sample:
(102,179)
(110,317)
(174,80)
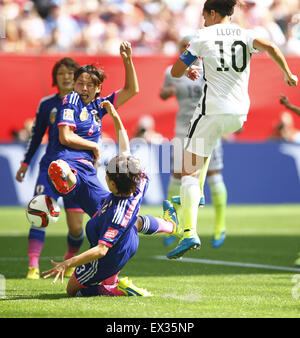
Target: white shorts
(216,160)
(205,130)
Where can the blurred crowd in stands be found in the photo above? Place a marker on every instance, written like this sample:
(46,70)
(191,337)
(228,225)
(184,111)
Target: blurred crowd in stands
(152,26)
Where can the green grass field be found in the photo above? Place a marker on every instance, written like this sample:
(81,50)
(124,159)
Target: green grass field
(215,283)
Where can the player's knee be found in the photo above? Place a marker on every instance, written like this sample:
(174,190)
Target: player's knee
(72,287)
(74,221)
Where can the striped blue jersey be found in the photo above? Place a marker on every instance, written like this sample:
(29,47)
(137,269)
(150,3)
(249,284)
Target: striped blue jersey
(45,118)
(114,222)
(86,122)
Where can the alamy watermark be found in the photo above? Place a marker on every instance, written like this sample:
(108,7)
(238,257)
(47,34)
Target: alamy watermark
(2,27)
(166,160)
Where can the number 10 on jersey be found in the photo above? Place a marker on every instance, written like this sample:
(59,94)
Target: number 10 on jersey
(234,51)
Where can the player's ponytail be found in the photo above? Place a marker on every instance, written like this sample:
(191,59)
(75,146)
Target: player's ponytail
(223,7)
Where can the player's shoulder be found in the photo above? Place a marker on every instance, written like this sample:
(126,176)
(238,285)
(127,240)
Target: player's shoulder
(168,71)
(47,103)
(71,99)
(49,99)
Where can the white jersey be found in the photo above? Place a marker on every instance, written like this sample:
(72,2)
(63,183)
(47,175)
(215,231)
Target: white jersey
(188,93)
(225,50)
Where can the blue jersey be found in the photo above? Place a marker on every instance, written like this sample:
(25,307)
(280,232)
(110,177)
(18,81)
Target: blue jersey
(85,120)
(116,216)
(113,226)
(45,118)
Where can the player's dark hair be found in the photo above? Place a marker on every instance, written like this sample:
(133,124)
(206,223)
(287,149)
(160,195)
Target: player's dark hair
(126,172)
(68,62)
(223,7)
(96,74)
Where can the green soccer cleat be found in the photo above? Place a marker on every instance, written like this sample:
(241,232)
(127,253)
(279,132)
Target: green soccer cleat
(183,246)
(129,289)
(171,216)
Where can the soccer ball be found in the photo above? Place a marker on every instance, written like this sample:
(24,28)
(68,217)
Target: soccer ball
(42,210)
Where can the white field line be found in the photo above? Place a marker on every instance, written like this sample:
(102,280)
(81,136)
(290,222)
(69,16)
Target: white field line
(227,263)
(182,260)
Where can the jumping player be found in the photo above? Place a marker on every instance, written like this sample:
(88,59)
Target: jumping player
(112,232)
(187,93)
(226,50)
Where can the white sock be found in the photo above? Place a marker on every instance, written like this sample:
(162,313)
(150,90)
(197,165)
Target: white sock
(190,194)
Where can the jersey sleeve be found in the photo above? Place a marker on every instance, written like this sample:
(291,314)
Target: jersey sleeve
(251,35)
(168,78)
(194,46)
(37,132)
(67,113)
(112,98)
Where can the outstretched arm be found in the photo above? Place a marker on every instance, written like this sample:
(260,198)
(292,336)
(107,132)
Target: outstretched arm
(120,131)
(275,53)
(131,86)
(90,255)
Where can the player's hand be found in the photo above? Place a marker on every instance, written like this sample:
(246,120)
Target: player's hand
(58,271)
(192,72)
(125,50)
(109,108)
(291,80)
(21,173)
(284,100)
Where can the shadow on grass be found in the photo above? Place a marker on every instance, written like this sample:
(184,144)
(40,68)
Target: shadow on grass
(266,250)
(45,296)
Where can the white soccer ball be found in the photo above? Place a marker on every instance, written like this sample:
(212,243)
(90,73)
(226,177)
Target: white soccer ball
(42,210)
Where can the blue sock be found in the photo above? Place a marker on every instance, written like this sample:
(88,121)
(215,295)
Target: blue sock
(150,225)
(74,244)
(37,234)
(75,241)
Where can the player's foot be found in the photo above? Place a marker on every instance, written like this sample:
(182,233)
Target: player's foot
(33,273)
(69,272)
(218,241)
(171,216)
(129,289)
(58,177)
(177,200)
(184,245)
(297,261)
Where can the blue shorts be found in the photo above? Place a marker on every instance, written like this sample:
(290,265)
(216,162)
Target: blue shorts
(88,192)
(95,272)
(43,186)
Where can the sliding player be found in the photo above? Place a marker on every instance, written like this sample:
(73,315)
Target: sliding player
(226,50)
(112,232)
(187,93)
